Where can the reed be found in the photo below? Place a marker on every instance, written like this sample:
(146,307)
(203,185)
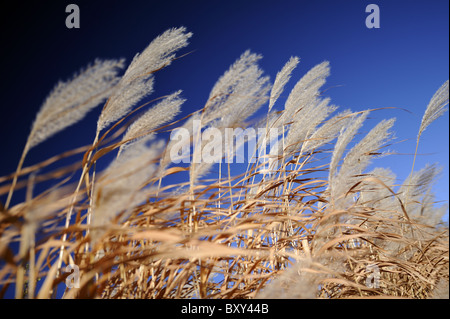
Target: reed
(315,223)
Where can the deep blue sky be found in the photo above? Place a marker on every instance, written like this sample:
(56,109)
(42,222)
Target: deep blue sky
(399,65)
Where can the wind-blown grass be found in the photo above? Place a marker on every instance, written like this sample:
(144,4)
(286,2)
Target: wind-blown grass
(315,223)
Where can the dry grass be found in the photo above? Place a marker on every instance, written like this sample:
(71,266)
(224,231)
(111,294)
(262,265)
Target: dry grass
(313,224)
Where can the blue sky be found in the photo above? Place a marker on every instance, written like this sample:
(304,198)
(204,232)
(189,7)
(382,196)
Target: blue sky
(398,65)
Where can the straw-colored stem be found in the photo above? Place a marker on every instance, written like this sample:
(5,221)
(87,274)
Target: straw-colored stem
(72,204)
(16,176)
(412,172)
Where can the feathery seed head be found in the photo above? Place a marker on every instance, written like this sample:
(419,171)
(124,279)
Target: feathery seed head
(436,108)
(70,101)
(137,82)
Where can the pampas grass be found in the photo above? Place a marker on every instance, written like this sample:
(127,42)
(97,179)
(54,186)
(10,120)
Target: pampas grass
(137,82)
(69,102)
(281,80)
(436,108)
(315,223)
(164,112)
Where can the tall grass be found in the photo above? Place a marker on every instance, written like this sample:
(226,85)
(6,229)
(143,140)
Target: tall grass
(307,220)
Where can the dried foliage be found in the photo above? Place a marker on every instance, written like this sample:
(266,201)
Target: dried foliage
(310,225)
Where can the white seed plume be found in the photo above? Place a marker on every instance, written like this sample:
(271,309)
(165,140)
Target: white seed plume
(328,131)
(418,183)
(70,101)
(137,82)
(306,89)
(238,93)
(281,79)
(360,155)
(163,112)
(345,136)
(305,122)
(376,195)
(436,108)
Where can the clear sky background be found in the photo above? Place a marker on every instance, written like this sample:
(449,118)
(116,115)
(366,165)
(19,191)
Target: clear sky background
(398,65)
